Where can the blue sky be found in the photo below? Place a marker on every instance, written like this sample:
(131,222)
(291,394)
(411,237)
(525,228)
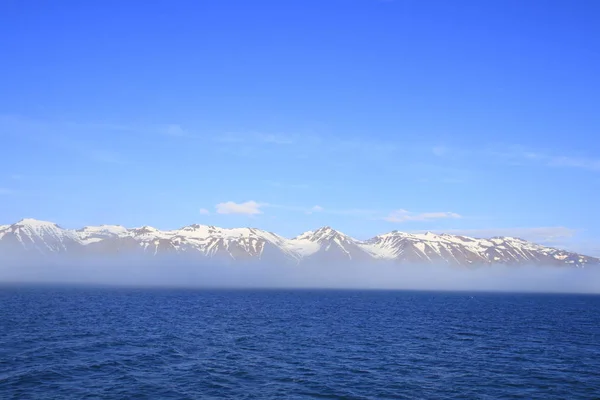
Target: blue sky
(368,116)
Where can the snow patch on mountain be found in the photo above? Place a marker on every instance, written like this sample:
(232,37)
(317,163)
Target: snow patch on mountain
(92,234)
(323,245)
(42,236)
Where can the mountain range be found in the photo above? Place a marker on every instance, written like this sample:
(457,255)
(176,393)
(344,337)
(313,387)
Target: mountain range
(33,239)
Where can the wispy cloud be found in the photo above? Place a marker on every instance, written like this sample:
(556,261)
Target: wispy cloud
(82,139)
(590,247)
(247,208)
(358,212)
(99,126)
(6,191)
(103,156)
(254,208)
(560,237)
(43,128)
(285,185)
(346,150)
(320,209)
(229,138)
(256,138)
(275,139)
(405,216)
(315,209)
(517,155)
(439,150)
(305,144)
(176,131)
(287,207)
(574,162)
(365,148)
(204,211)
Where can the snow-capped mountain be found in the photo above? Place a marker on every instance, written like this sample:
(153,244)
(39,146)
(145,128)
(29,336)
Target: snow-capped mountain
(462,250)
(327,244)
(30,235)
(92,234)
(196,241)
(214,244)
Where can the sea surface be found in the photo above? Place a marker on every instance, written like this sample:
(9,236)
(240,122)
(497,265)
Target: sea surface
(117,343)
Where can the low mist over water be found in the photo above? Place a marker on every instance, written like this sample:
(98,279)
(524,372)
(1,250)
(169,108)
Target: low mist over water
(351,276)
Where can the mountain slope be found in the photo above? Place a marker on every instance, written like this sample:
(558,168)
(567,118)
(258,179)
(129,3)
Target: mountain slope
(203,243)
(195,241)
(327,244)
(38,237)
(462,250)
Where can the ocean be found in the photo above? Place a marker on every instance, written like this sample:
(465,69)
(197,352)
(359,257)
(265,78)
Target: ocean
(124,343)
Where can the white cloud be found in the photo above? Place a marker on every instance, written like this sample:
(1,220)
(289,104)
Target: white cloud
(247,208)
(404,216)
(204,211)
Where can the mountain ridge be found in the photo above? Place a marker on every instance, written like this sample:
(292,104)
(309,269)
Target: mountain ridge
(32,237)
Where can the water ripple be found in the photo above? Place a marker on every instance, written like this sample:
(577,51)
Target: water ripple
(183,344)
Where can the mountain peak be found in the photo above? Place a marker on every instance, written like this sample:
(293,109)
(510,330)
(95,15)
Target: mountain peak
(34,222)
(36,226)
(325,229)
(324,243)
(145,230)
(40,236)
(195,227)
(324,233)
(511,238)
(319,234)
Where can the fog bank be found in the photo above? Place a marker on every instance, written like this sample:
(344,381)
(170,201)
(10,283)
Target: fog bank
(338,276)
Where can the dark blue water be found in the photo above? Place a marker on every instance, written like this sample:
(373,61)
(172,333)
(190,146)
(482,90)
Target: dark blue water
(185,344)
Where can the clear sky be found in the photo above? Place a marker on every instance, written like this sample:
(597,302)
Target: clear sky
(480,117)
